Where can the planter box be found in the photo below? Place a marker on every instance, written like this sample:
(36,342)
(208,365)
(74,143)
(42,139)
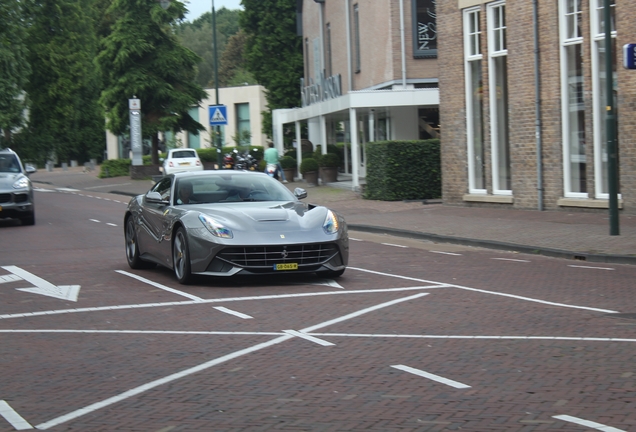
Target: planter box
(329,174)
(289,173)
(311,178)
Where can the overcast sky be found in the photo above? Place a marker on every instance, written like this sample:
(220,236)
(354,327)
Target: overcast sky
(197,8)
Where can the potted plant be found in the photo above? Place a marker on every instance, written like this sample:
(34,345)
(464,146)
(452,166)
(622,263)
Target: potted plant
(309,170)
(329,164)
(288,164)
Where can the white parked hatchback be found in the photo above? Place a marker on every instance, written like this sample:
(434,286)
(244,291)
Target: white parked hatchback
(179,160)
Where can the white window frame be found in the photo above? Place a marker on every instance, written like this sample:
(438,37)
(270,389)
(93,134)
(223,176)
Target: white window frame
(471,14)
(598,36)
(566,40)
(493,53)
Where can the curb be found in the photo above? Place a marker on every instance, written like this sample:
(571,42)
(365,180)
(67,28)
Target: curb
(491,244)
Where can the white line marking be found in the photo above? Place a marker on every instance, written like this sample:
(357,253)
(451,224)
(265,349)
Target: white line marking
(9,278)
(587,423)
(171,332)
(445,253)
(431,376)
(355,239)
(487,292)
(94,220)
(13,417)
(590,267)
(67,190)
(530,338)
(309,338)
(231,312)
(221,300)
(394,245)
(510,259)
(140,389)
(158,285)
(111,224)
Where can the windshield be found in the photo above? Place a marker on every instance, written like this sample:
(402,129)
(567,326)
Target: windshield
(9,163)
(224,188)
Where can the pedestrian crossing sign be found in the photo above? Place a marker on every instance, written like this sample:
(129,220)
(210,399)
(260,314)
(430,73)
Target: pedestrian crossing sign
(218,115)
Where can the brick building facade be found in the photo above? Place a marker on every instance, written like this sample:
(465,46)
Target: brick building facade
(524,128)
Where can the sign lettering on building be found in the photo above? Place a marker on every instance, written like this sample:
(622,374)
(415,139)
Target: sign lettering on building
(326,88)
(425,28)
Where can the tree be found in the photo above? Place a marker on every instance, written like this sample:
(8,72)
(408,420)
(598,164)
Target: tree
(273,52)
(141,57)
(65,119)
(14,67)
(232,68)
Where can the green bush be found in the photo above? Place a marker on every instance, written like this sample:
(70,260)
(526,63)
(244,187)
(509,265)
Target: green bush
(291,153)
(287,162)
(208,154)
(308,165)
(329,160)
(115,168)
(403,170)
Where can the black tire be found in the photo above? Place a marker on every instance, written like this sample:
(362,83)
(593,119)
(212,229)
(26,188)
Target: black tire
(132,248)
(181,257)
(29,220)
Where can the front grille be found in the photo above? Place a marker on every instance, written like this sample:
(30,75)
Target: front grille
(266,256)
(19,198)
(5,198)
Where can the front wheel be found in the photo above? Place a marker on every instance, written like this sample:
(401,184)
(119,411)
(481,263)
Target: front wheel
(181,257)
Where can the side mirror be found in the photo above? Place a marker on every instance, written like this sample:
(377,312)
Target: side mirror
(300,193)
(155,197)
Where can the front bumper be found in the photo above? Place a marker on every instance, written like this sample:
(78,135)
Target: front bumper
(17,204)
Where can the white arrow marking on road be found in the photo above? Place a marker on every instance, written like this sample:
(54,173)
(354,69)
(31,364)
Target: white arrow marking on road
(13,417)
(309,338)
(328,282)
(9,278)
(431,376)
(587,423)
(64,292)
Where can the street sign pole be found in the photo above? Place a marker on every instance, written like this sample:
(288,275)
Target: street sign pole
(219,145)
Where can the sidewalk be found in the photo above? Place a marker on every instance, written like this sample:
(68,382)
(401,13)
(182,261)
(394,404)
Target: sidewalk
(572,235)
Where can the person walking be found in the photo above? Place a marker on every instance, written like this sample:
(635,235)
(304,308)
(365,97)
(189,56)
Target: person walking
(271,157)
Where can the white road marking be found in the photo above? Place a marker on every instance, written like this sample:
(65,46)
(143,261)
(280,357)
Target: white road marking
(590,267)
(488,292)
(111,224)
(510,259)
(445,253)
(328,282)
(587,423)
(171,332)
(13,417)
(140,389)
(158,285)
(431,376)
(221,300)
(355,239)
(64,292)
(309,338)
(231,312)
(67,189)
(38,189)
(94,220)
(395,245)
(530,338)
(9,278)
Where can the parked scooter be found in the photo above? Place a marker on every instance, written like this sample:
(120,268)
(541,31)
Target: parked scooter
(245,161)
(272,170)
(228,160)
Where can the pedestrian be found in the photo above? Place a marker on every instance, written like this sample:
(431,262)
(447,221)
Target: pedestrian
(271,157)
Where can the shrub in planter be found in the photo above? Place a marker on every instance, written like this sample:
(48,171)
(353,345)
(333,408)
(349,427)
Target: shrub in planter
(329,160)
(287,162)
(308,165)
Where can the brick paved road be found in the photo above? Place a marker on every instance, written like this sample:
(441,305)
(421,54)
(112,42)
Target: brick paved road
(503,341)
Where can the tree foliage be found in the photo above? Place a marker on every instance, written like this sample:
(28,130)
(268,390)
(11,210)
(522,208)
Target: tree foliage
(232,67)
(65,120)
(14,67)
(141,57)
(273,52)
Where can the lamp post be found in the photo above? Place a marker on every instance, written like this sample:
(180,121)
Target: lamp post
(216,86)
(610,124)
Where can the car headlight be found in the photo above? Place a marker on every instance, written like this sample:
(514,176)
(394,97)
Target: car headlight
(331,225)
(215,228)
(21,183)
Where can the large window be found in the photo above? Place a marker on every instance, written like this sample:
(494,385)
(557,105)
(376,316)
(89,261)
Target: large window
(243,131)
(498,83)
(474,101)
(194,141)
(599,79)
(424,28)
(572,100)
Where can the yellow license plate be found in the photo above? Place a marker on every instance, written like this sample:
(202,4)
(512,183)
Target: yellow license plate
(0,208)
(288,266)
(184,163)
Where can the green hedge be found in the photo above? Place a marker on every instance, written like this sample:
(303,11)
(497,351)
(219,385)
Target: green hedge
(403,170)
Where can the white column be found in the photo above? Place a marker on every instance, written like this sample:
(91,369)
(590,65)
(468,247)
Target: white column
(323,134)
(355,156)
(371,125)
(277,127)
(299,147)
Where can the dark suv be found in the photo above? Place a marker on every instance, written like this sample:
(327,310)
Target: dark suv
(16,192)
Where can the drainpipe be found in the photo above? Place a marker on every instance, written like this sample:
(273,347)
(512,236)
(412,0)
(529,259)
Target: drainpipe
(537,97)
(402,43)
(348,28)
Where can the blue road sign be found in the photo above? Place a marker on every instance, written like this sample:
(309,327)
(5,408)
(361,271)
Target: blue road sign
(629,56)
(218,115)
